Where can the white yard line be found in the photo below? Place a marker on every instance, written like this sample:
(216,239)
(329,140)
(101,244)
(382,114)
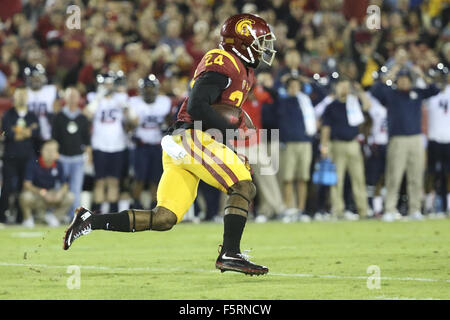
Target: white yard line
(403,298)
(331,276)
(294,275)
(27,234)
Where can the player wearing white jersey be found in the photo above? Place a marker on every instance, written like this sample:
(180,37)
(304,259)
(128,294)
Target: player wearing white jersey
(376,161)
(438,108)
(42,99)
(110,115)
(107,111)
(152,111)
(378,114)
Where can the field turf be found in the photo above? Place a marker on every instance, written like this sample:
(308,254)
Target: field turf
(319,260)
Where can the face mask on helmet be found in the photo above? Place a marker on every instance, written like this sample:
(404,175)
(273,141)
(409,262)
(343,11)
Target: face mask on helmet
(264,45)
(36,82)
(120,81)
(262,48)
(149,88)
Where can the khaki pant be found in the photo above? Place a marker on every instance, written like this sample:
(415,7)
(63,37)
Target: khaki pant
(405,154)
(267,185)
(347,155)
(296,161)
(30,202)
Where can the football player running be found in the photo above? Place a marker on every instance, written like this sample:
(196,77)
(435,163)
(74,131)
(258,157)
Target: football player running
(224,76)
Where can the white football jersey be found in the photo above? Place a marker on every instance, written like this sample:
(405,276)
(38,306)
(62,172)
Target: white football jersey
(378,114)
(151,117)
(108,133)
(40,102)
(439,116)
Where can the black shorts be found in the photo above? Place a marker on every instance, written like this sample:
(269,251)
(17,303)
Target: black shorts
(148,163)
(438,155)
(108,164)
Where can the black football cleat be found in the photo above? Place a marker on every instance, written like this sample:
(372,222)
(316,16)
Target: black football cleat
(239,262)
(81,225)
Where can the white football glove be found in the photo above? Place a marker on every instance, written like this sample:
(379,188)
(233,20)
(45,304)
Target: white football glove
(175,151)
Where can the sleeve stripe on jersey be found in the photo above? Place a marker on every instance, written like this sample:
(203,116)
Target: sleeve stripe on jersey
(226,54)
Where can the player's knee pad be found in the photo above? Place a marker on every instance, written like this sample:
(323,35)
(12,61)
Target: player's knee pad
(240,196)
(162,219)
(159,219)
(244,188)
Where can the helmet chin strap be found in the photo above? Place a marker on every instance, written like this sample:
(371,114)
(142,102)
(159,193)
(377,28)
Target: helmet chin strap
(240,55)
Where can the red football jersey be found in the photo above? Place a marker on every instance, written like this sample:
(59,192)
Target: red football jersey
(226,63)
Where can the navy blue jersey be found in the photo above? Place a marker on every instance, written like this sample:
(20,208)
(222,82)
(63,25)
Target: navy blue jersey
(404,108)
(45,177)
(335,116)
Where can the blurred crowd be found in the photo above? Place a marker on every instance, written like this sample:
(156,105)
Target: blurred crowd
(330,67)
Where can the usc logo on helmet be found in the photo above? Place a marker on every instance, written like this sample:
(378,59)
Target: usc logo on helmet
(241,26)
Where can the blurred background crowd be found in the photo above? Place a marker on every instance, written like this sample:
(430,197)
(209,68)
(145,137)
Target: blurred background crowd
(325,53)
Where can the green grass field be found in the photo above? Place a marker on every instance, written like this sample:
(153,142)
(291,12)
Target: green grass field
(319,260)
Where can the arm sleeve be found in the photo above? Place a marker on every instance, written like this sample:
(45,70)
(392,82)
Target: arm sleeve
(320,108)
(7,127)
(207,88)
(432,90)
(326,116)
(36,129)
(378,90)
(86,134)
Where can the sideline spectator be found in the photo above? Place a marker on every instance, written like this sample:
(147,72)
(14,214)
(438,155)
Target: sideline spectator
(19,127)
(256,149)
(153,112)
(45,189)
(107,109)
(291,68)
(375,151)
(42,100)
(297,123)
(339,133)
(438,149)
(71,129)
(406,150)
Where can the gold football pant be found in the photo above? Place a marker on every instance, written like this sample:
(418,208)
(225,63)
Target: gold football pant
(207,160)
